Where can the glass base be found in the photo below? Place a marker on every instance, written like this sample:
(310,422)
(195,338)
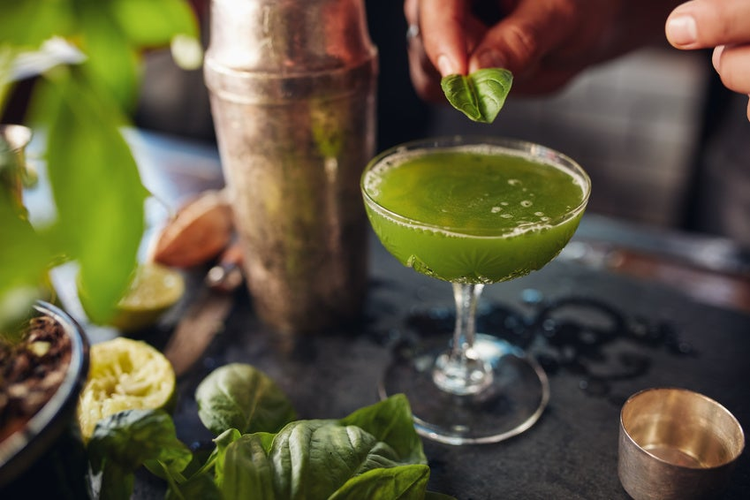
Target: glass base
(509,405)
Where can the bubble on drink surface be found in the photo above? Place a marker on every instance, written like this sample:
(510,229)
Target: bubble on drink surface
(507,216)
(514,182)
(496,210)
(526,203)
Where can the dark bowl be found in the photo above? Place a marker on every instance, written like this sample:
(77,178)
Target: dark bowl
(22,449)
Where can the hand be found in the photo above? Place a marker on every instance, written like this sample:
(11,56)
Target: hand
(723,24)
(545,43)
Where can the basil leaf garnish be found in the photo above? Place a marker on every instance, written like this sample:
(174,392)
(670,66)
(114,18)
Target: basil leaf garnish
(479,95)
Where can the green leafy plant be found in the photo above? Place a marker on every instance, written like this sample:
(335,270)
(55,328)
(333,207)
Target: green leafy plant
(373,453)
(479,95)
(125,441)
(81,109)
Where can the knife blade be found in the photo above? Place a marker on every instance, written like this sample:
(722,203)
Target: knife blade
(207,313)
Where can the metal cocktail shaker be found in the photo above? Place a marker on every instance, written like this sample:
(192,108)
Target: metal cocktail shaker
(293,89)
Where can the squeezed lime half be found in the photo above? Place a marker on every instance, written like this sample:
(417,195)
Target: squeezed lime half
(124,374)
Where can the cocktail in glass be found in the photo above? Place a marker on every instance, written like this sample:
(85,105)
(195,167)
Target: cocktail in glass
(472,211)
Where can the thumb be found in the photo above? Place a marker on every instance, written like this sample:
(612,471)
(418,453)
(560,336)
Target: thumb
(700,23)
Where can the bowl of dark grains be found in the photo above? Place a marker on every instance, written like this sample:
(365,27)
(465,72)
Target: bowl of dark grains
(42,371)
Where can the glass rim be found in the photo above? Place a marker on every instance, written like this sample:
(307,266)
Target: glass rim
(519,147)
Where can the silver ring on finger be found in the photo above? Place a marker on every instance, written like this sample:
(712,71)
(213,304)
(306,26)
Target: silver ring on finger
(412,32)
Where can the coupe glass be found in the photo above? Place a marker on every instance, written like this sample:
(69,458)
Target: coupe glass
(472,211)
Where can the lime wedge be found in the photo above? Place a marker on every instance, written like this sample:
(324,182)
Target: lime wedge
(124,374)
(153,290)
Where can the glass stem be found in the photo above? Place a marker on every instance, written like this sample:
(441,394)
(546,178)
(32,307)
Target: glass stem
(467,297)
(461,370)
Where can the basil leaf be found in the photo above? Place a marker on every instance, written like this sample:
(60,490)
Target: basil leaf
(479,95)
(239,396)
(133,436)
(117,482)
(248,469)
(308,459)
(405,482)
(122,442)
(391,421)
(222,443)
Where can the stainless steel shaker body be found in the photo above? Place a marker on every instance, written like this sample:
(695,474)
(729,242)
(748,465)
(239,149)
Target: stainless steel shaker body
(293,89)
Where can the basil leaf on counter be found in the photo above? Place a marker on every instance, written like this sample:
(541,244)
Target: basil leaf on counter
(479,95)
(373,453)
(402,482)
(237,396)
(248,470)
(312,459)
(390,421)
(122,442)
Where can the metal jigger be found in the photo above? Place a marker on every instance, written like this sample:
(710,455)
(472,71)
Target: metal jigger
(293,90)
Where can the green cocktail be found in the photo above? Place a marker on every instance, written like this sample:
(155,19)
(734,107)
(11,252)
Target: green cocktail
(473,211)
(473,214)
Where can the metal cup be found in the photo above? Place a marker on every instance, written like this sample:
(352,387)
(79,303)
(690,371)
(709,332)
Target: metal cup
(676,444)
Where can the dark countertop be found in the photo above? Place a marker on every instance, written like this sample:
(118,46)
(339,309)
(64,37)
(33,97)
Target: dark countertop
(632,333)
(572,451)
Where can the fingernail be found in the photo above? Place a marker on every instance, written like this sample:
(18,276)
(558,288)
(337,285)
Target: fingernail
(444,66)
(681,30)
(716,57)
(490,58)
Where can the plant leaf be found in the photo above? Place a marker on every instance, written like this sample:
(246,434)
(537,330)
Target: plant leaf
(248,470)
(122,442)
(222,443)
(29,253)
(479,95)
(28,23)
(151,23)
(112,64)
(405,482)
(117,482)
(239,396)
(391,421)
(96,187)
(307,459)
(132,437)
